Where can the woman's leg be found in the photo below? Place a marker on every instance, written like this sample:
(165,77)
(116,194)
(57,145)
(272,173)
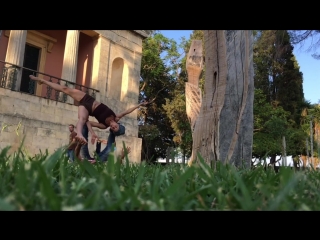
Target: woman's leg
(77,95)
(74,93)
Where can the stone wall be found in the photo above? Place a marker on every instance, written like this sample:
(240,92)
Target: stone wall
(44,124)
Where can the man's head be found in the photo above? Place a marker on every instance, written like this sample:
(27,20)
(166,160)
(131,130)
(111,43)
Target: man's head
(71,127)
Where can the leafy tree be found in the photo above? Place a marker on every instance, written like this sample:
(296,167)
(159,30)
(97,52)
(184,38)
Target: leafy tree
(277,72)
(279,81)
(271,123)
(156,82)
(176,107)
(176,111)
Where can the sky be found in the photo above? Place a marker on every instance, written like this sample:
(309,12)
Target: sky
(309,66)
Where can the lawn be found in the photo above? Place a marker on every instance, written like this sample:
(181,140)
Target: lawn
(50,182)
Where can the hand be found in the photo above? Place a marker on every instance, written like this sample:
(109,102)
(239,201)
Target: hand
(94,137)
(34,78)
(81,139)
(128,151)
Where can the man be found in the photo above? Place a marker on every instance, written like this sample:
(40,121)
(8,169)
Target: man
(72,143)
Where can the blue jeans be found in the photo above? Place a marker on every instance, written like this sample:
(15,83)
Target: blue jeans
(70,154)
(105,152)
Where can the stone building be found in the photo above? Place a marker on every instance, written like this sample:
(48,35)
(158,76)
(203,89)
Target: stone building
(103,63)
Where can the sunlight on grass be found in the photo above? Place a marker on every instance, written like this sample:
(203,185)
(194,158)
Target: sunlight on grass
(46,182)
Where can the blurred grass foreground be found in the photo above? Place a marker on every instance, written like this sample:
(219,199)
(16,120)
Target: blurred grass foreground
(50,182)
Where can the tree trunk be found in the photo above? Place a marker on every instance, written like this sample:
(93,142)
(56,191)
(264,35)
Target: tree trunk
(224,128)
(194,64)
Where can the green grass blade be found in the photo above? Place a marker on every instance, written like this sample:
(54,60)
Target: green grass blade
(179,182)
(5,206)
(51,161)
(47,189)
(141,174)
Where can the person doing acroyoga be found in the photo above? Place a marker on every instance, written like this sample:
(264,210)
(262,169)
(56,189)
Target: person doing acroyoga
(90,107)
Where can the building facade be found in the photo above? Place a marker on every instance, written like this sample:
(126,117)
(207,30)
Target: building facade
(103,63)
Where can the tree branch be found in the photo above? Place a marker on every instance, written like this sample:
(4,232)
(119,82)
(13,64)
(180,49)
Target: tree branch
(257,129)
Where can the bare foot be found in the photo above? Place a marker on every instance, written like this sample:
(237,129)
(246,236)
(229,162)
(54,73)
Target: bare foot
(104,141)
(34,78)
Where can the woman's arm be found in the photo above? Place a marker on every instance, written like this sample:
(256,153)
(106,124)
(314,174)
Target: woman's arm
(97,125)
(94,136)
(130,110)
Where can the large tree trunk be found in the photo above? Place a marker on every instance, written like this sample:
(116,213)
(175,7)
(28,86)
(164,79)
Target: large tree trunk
(223,130)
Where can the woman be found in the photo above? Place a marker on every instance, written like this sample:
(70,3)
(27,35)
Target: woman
(90,107)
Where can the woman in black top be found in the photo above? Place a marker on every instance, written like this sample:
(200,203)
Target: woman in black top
(89,106)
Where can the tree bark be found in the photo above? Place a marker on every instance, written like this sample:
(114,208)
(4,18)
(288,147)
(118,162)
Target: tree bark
(194,66)
(223,130)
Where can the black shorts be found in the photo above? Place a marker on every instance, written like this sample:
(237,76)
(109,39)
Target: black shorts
(87,101)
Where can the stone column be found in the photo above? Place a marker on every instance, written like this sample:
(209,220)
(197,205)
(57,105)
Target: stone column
(15,55)
(70,59)
(96,73)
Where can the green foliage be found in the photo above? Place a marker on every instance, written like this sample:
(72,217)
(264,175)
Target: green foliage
(51,183)
(279,99)
(156,82)
(176,106)
(176,111)
(271,123)
(163,74)
(277,72)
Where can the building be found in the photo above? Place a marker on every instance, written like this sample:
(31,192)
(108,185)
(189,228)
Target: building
(104,63)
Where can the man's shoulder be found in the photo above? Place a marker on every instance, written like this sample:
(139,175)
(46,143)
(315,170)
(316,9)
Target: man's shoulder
(73,134)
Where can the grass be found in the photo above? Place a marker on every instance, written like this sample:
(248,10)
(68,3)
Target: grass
(49,182)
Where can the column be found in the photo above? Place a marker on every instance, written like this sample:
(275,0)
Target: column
(15,55)
(70,59)
(96,73)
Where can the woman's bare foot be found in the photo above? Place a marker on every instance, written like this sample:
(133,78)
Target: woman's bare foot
(34,78)
(104,141)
